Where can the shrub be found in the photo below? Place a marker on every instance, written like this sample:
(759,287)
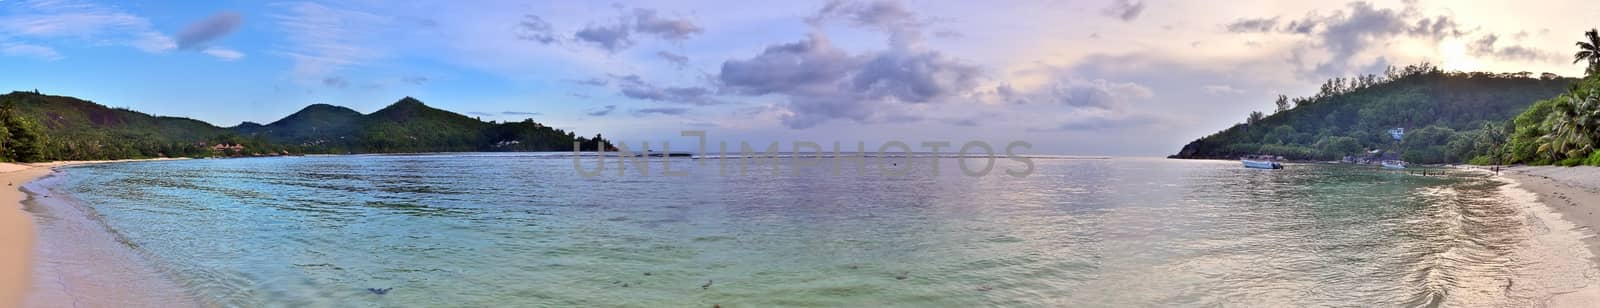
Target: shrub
(1594,159)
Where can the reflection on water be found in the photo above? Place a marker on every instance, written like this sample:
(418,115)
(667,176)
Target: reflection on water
(524,229)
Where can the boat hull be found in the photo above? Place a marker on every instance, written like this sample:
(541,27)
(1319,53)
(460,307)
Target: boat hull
(1261,164)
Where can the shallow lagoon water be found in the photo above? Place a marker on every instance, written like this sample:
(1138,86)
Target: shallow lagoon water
(526,230)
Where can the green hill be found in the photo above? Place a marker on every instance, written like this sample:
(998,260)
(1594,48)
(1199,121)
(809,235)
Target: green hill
(1443,114)
(408,125)
(75,129)
(37,127)
(315,124)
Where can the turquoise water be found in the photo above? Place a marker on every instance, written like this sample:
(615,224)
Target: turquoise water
(525,230)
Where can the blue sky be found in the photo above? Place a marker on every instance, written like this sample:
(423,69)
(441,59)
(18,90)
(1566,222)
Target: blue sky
(1114,77)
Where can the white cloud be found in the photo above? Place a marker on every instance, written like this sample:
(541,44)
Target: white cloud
(1221,89)
(88,22)
(323,39)
(27,50)
(223,53)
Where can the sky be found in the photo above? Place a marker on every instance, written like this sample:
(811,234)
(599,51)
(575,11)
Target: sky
(1101,77)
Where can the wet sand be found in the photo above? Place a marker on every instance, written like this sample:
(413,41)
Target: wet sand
(72,261)
(1572,191)
(1560,261)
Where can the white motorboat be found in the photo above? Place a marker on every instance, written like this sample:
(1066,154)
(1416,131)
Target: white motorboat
(1393,164)
(1260,162)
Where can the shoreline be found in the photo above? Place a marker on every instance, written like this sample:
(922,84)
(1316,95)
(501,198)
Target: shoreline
(18,230)
(1556,265)
(1573,192)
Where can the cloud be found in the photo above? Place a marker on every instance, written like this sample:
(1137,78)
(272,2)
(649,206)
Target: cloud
(661,111)
(1221,89)
(1248,25)
(612,37)
(602,111)
(416,80)
(916,77)
(678,60)
(809,66)
(92,23)
(1126,10)
(520,113)
(646,21)
(1099,93)
(632,86)
(1488,46)
(323,39)
(889,16)
(223,53)
(1346,33)
(207,30)
(336,82)
(596,82)
(823,82)
(535,29)
(688,95)
(28,50)
(480,113)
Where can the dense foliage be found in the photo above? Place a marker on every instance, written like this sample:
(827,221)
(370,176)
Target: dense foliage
(20,138)
(409,126)
(1561,130)
(1449,117)
(36,127)
(73,129)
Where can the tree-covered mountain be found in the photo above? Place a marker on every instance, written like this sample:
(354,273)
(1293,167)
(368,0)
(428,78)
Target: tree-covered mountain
(1443,114)
(408,125)
(37,127)
(315,124)
(75,129)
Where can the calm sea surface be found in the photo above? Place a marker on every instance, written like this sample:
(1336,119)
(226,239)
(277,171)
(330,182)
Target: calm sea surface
(526,230)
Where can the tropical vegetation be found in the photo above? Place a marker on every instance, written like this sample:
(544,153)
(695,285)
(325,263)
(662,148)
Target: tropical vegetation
(37,127)
(1445,115)
(1561,127)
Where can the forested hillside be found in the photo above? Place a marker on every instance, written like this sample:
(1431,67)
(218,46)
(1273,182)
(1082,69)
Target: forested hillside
(1444,114)
(37,127)
(1561,130)
(407,125)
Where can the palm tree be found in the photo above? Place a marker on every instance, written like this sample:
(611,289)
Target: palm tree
(1573,123)
(1589,52)
(1492,139)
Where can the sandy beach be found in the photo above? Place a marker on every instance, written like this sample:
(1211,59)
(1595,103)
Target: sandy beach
(16,232)
(21,263)
(1561,206)
(1574,192)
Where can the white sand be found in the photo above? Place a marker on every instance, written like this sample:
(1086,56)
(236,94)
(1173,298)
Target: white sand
(1556,267)
(16,232)
(18,265)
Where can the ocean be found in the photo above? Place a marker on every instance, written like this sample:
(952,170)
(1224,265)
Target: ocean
(500,229)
